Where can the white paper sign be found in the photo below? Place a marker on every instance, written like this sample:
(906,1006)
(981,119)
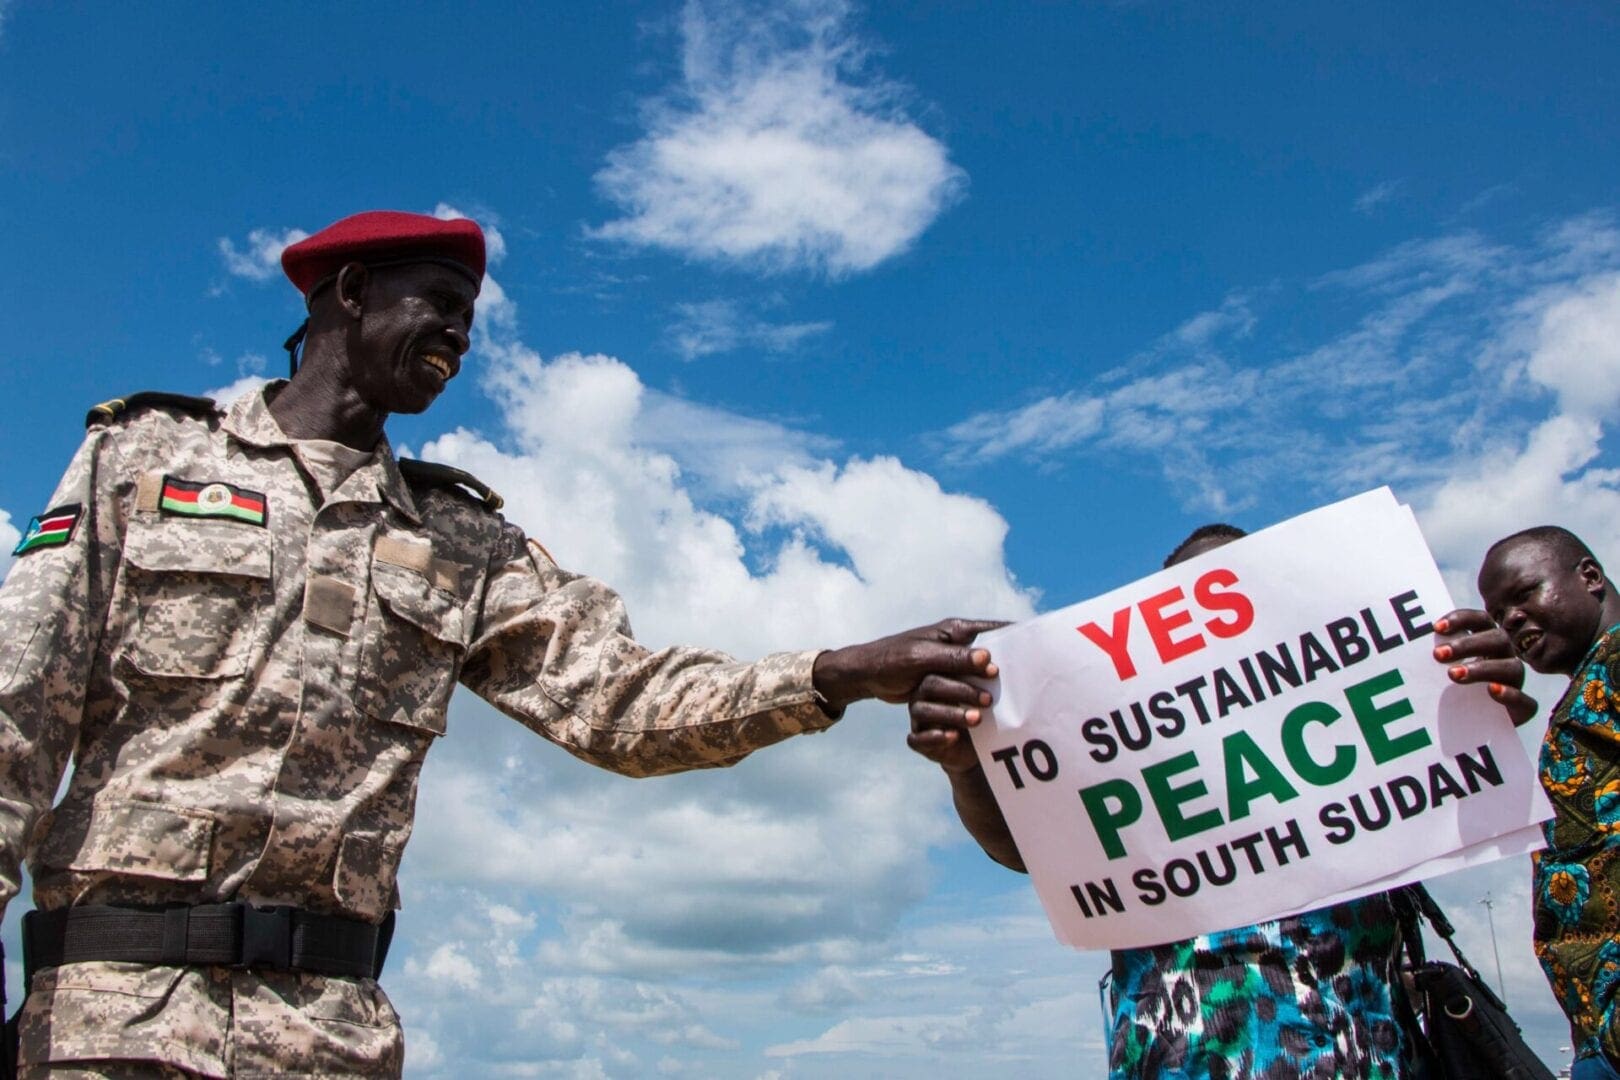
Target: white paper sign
(1253,732)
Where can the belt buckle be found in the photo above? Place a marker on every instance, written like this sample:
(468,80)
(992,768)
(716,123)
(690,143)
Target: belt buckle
(267,937)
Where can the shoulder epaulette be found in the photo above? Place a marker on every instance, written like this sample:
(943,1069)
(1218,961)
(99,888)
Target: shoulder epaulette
(108,411)
(432,474)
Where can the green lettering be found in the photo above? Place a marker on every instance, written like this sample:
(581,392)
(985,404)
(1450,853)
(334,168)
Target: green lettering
(1108,822)
(1239,749)
(1167,800)
(1373,719)
(1293,739)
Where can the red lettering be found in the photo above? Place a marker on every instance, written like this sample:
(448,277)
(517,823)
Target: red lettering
(1113,644)
(1160,624)
(1242,610)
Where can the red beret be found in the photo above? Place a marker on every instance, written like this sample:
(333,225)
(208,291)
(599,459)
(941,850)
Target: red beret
(381,238)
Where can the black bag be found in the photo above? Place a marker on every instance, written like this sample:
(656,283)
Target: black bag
(1468,1031)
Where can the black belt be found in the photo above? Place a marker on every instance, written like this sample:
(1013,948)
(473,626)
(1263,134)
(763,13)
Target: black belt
(231,935)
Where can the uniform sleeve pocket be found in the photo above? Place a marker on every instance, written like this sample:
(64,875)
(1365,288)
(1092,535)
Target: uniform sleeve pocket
(200,589)
(130,838)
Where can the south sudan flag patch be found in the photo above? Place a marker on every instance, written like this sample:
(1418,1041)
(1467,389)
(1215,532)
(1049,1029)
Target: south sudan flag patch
(53,528)
(190,498)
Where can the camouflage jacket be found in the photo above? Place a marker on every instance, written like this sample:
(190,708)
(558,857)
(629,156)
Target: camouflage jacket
(249,676)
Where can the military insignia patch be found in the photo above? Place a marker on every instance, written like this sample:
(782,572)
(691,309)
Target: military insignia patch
(189,498)
(53,528)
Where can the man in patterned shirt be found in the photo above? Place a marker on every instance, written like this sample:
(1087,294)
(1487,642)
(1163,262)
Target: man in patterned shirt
(1554,607)
(1310,997)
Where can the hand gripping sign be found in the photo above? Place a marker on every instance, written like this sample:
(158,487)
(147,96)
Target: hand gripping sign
(1256,731)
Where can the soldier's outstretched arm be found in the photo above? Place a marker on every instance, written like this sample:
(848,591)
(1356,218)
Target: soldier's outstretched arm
(555,650)
(53,606)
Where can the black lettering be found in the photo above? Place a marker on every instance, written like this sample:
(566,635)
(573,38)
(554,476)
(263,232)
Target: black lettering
(1252,679)
(1280,843)
(1412,788)
(1348,642)
(1103,895)
(1228,695)
(1141,737)
(1247,845)
(1148,889)
(1384,816)
(1190,689)
(1095,732)
(1442,784)
(1080,898)
(1163,707)
(1315,656)
(1229,871)
(1274,668)
(1181,868)
(1341,830)
(1484,768)
(1380,642)
(1006,755)
(1407,612)
(1040,761)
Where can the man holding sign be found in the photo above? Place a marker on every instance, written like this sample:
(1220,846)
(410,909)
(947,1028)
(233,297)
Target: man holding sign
(1314,990)
(1550,603)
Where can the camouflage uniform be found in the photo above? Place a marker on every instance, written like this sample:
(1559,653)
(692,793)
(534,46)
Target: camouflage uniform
(250,703)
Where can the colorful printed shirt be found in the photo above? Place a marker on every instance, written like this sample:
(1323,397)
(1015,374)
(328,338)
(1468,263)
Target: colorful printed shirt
(1308,997)
(1577,878)
(249,672)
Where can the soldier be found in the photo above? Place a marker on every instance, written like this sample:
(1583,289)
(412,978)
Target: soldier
(245,625)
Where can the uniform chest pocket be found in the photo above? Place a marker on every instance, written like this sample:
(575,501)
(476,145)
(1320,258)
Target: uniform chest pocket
(200,590)
(415,637)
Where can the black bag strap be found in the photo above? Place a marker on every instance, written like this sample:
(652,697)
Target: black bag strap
(1409,919)
(1414,906)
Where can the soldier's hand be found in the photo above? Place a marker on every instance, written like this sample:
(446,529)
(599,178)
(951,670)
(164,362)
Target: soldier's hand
(1476,650)
(892,669)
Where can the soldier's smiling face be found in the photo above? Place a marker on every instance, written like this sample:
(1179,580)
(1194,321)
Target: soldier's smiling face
(413,329)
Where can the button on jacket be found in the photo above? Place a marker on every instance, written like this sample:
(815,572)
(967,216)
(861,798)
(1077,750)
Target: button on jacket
(249,674)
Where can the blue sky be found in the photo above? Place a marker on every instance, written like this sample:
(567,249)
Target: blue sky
(811,321)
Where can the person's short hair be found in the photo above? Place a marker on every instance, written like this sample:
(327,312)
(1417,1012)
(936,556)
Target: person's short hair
(1565,544)
(1216,530)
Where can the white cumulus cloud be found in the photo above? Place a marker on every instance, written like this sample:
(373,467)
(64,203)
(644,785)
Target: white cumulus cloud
(259,258)
(1556,473)
(777,149)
